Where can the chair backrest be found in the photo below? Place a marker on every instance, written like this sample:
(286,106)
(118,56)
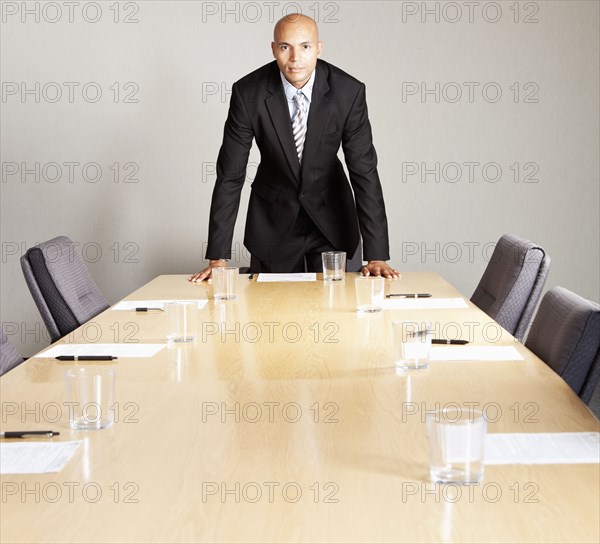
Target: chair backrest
(9,357)
(566,336)
(512,283)
(61,286)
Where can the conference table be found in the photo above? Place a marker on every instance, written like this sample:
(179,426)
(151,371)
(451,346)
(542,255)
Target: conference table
(286,420)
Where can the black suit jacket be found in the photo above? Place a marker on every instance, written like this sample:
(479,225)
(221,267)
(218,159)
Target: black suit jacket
(337,116)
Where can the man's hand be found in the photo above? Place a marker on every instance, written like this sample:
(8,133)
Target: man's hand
(205,274)
(380,268)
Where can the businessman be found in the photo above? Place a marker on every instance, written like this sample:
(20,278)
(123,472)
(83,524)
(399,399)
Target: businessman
(299,109)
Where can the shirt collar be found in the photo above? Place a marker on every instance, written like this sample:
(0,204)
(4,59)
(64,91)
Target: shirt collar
(290,90)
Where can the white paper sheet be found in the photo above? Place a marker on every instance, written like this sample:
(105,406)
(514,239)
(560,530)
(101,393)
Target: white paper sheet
(35,457)
(273,278)
(423,303)
(474,353)
(117,350)
(542,448)
(131,305)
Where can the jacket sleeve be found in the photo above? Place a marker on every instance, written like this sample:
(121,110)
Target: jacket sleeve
(231,173)
(361,160)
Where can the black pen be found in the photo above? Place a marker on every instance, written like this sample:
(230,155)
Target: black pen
(408,295)
(451,342)
(85,358)
(149,310)
(28,434)
(251,276)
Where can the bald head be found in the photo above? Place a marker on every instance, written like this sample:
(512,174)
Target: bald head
(296,19)
(296,47)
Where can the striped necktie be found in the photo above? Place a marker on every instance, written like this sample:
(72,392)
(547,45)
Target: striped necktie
(299,124)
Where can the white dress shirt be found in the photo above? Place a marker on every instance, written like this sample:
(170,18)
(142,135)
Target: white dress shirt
(290,91)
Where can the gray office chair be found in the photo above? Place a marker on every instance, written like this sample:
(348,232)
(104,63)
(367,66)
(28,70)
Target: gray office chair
(512,283)
(9,357)
(61,286)
(566,335)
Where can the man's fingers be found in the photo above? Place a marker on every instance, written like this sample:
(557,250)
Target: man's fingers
(378,270)
(391,274)
(200,276)
(205,274)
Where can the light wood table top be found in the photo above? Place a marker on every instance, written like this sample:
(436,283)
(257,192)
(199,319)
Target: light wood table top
(287,421)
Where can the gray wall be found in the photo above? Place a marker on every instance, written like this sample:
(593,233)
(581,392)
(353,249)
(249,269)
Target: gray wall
(460,165)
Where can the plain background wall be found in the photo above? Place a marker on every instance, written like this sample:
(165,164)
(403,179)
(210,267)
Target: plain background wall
(485,118)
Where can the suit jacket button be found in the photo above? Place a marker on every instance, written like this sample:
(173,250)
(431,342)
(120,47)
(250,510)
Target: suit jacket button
(301,195)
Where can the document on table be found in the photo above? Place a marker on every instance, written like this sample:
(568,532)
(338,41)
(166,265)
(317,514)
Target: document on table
(474,353)
(423,303)
(35,457)
(116,350)
(276,278)
(131,305)
(541,448)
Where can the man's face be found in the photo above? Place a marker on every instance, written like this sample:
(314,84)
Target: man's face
(296,49)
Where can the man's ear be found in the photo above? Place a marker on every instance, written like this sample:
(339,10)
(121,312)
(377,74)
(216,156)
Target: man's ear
(319,48)
(273,48)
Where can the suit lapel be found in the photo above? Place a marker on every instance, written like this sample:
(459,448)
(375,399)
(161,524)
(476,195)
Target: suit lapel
(317,116)
(280,117)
